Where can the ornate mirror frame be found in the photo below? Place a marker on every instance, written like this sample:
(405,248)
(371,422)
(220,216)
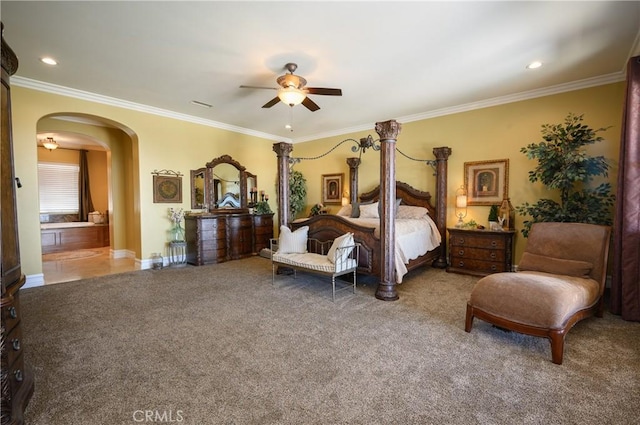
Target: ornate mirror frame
(213,195)
(196,202)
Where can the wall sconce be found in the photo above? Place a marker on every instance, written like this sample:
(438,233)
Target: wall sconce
(50,144)
(461,203)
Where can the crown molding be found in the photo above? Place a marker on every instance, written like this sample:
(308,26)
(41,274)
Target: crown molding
(111,101)
(496,101)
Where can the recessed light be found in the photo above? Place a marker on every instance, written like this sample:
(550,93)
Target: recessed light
(49,61)
(534,65)
(198,103)
(288,126)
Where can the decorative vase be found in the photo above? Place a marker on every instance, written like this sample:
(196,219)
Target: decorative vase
(177,233)
(156,261)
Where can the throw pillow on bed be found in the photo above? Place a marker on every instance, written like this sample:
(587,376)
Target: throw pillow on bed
(356,212)
(411,212)
(341,242)
(369,210)
(293,242)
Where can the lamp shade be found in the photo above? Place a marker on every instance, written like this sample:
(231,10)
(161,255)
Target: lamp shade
(291,96)
(461,201)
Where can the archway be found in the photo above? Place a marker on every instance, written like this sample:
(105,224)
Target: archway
(111,151)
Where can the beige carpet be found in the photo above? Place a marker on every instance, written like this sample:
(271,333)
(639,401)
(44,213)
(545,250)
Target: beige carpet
(219,345)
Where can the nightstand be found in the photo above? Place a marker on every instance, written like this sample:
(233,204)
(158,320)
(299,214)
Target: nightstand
(480,252)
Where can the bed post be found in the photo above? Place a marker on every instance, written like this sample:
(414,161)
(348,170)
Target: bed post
(283,150)
(442,155)
(353,163)
(388,132)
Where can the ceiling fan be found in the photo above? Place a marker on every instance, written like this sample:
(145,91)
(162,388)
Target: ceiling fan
(293,90)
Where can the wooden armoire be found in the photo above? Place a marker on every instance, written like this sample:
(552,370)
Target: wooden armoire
(16,379)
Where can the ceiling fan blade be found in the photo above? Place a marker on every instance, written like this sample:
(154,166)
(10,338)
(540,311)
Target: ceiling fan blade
(310,104)
(324,91)
(258,87)
(272,102)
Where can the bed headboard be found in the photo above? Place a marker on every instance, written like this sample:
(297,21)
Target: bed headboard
(408,194)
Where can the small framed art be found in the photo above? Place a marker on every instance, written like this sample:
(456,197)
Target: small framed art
(167,189)
(487,182)
(332,188)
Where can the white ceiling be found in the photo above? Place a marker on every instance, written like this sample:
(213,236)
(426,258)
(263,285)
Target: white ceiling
(392,60)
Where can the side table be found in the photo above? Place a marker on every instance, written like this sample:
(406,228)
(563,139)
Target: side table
(480,252)
(177,253)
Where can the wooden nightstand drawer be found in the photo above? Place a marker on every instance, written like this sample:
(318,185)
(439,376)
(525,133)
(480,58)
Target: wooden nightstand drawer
(479,241)
(480,252)
(472,266)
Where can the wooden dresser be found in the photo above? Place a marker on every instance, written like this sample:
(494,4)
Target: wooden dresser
(16,380)
(223,236)
(262,231)
(480,252)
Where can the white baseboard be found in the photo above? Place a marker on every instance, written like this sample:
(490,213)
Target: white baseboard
(34,280)
(122,253)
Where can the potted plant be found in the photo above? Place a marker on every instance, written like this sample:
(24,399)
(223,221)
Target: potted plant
(564,165)
(493,217)
(297,193)
(262,207)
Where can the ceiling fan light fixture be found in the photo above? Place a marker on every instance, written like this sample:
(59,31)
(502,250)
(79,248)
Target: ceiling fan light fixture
(291,96)
(49,143)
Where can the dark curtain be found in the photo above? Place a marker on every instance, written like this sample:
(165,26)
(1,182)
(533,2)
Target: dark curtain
(86,205)
(625,285)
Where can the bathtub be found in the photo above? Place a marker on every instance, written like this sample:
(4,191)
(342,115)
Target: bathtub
(67,225)
(57,237)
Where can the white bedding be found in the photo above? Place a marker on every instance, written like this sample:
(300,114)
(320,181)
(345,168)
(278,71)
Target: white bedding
(414,237)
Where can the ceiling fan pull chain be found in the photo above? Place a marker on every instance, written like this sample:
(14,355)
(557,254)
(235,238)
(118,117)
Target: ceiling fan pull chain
(291,118)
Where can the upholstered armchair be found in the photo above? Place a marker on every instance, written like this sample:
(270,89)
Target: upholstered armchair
(560,281)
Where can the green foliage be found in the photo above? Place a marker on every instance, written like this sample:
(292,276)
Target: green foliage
(493,213)
(262,207)
(564,164)
(297,193)
(471,224)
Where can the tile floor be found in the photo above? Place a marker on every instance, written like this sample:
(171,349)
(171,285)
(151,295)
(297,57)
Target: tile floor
(58,271)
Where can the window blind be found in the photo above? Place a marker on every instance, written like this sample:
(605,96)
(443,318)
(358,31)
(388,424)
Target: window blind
(58,188)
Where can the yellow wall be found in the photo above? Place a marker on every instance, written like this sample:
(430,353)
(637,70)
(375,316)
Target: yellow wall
(484,134)
(146,143)
(149,142)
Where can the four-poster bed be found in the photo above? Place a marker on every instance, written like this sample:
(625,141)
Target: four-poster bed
(377,255)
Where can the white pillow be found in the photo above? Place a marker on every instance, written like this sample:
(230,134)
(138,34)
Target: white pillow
(369,210)
(293,242)
(410,212)
(345,211)
(341,242)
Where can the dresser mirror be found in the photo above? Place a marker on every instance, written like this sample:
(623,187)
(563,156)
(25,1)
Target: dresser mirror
(252,189)
(227,184)
(198,189)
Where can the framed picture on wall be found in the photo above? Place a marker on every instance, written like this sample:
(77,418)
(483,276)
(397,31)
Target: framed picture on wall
(167,189)
(487,182)
(332,188)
